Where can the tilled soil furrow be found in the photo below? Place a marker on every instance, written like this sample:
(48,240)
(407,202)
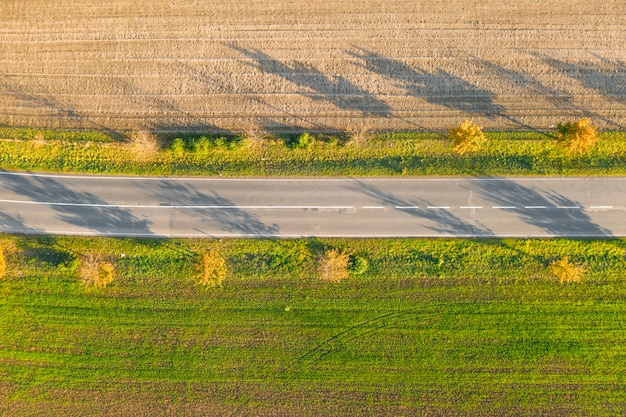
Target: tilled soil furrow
(125,64)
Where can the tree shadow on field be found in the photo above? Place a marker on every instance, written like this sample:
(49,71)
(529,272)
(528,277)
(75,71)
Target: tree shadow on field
(212,83)
(58,110)
(552,212)
(443,221)
(439,87)
(170,116)
(78,208)
(606,76)
(217,212)
(560,99)
(318,86)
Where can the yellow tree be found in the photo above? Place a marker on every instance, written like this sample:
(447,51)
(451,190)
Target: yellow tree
(95,271)
(567,271)
(212,269)
(333,265)
(468,137)
(577,137)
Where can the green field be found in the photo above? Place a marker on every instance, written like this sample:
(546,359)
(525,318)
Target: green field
(383,154)
(432,327)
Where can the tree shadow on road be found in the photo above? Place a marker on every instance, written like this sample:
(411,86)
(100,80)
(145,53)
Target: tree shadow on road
(560,217)
(318,86)
(14,223)
(217,212)
(442,221)
(78,208)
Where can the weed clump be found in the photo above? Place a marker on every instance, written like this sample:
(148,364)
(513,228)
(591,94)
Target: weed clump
(468,137)
(95,271)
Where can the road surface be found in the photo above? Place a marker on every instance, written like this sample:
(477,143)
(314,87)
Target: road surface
(323,207)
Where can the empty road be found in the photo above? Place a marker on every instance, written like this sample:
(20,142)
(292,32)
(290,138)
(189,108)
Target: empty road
(324,207)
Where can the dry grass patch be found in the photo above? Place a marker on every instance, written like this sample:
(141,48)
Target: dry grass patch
(566,271)
(95,271)
(334,265)
(212,269)
(39,140)
(359,136)
(256,138)
(143,145)
(468,137)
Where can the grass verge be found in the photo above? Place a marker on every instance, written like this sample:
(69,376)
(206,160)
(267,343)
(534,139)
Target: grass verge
(450,326)
(384,154)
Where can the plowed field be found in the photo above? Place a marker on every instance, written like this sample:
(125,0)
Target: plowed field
(315,65)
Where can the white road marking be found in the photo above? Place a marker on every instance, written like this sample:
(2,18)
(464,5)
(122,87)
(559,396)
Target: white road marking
(568,207)
(601,207)
(232,207)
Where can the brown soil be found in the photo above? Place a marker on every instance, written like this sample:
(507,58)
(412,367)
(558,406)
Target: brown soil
(316,65)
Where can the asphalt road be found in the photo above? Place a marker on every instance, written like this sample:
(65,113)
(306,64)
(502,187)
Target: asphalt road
(295,207)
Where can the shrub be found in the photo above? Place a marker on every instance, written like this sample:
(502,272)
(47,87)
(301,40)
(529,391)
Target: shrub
(333,265)
(567,271)
(178,147)
(358,265)
(212,269)
(143,145)
(202,146)
(95,271)
(468,137)
(303,141)
(576,137)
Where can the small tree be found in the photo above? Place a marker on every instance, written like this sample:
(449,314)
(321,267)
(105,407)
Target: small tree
(95,271)
(577,137)
(333,265)
(567,271)
(212,269)
(468,137)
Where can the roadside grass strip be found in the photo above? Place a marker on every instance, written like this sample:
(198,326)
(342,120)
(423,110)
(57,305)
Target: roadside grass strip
(385,154)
